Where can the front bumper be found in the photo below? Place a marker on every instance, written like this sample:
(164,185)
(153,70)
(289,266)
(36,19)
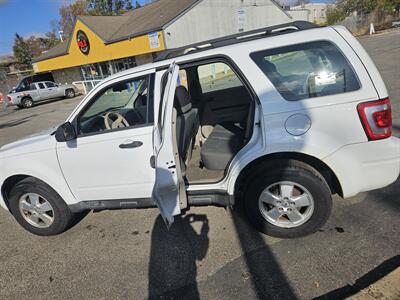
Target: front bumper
(366,166)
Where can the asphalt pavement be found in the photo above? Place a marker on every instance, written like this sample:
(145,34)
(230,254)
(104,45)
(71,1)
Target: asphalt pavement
(209,253)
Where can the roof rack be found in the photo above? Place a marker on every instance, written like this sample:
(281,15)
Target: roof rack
(237,38)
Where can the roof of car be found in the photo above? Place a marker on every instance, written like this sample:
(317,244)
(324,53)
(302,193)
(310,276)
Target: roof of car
(178,54)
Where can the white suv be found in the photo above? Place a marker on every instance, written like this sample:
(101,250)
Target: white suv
(272,121)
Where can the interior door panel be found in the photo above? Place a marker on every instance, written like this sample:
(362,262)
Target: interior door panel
(228,105)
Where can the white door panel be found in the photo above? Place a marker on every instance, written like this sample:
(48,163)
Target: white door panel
(97,168)
(167,186)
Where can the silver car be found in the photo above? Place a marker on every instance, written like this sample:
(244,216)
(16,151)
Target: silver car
(39,91)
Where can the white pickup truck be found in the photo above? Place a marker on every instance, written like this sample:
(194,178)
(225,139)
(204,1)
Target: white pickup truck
(39,91)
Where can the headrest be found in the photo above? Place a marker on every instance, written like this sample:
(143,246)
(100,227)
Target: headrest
(270,66)
(183,101)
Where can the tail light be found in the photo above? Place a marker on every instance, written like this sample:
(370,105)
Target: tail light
(376,117)
(9,99)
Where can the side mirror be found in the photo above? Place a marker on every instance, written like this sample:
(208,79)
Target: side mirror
(65,132)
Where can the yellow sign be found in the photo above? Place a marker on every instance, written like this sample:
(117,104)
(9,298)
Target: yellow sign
(99,51)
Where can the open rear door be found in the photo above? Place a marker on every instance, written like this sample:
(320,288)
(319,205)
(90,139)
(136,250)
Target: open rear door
(169,188)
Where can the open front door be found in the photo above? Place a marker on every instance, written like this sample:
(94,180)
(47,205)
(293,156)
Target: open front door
(169,189)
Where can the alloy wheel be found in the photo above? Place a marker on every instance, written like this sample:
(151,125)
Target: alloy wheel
(286,204)
(36,210)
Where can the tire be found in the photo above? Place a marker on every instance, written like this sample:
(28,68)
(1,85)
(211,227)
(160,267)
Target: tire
(62,218)
(70,93)
(281,215)
(27,102)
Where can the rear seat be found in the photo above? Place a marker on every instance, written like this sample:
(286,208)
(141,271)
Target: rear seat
(221,146)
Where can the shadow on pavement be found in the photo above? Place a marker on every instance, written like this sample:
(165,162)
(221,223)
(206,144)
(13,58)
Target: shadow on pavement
(265,273)
(16,122)
(370,278)
(173,256)
(174,252)
(388,195)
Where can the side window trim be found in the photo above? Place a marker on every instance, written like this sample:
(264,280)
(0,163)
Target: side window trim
(150,99)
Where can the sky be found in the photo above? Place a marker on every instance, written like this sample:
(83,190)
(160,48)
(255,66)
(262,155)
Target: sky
(26,17)
(31,17)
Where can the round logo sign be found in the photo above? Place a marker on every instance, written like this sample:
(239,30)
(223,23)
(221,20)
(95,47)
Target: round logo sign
(83,42)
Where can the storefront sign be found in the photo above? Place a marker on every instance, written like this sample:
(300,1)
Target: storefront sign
(83,42)
(154,40)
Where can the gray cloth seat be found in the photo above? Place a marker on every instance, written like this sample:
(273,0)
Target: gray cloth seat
(187,122)
(221,146)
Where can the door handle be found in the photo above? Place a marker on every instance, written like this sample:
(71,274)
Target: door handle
(131,145)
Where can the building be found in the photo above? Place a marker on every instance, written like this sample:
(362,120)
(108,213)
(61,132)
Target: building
(316,11)
(103,45)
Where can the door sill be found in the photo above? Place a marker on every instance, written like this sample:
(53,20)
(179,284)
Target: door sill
(100,205)
(209,198)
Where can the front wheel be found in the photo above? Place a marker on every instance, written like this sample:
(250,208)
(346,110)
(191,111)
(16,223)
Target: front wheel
(288,199)
(39,209)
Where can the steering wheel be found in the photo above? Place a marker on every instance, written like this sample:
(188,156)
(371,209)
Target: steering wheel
(113,120)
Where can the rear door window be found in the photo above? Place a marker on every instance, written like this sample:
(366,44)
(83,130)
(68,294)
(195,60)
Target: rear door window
(50,84)
(217,76)
(41,86)
(307,70)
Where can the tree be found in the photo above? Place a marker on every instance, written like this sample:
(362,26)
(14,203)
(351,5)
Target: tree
(22,52)
(137,4)
(345,8)
(68,14)
(129,5)
(108,7)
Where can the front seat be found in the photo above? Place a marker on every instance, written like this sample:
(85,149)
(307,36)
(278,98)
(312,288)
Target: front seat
(187,123)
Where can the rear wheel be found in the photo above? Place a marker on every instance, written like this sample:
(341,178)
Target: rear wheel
(287,199)
(70,93)
(27,102)
(39,209)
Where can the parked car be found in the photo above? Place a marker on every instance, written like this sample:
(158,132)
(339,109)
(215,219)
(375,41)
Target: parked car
(40,91)
(273,122)
(24,83)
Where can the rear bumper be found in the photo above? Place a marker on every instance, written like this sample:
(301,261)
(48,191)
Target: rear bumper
(366,166)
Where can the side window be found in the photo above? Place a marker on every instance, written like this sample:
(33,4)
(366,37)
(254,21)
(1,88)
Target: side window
(41,85)
(307,70)
(122,105)
(32,86)
(50,84)
(217,76)
(23,86)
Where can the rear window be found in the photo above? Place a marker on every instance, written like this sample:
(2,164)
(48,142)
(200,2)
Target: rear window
(307,70)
